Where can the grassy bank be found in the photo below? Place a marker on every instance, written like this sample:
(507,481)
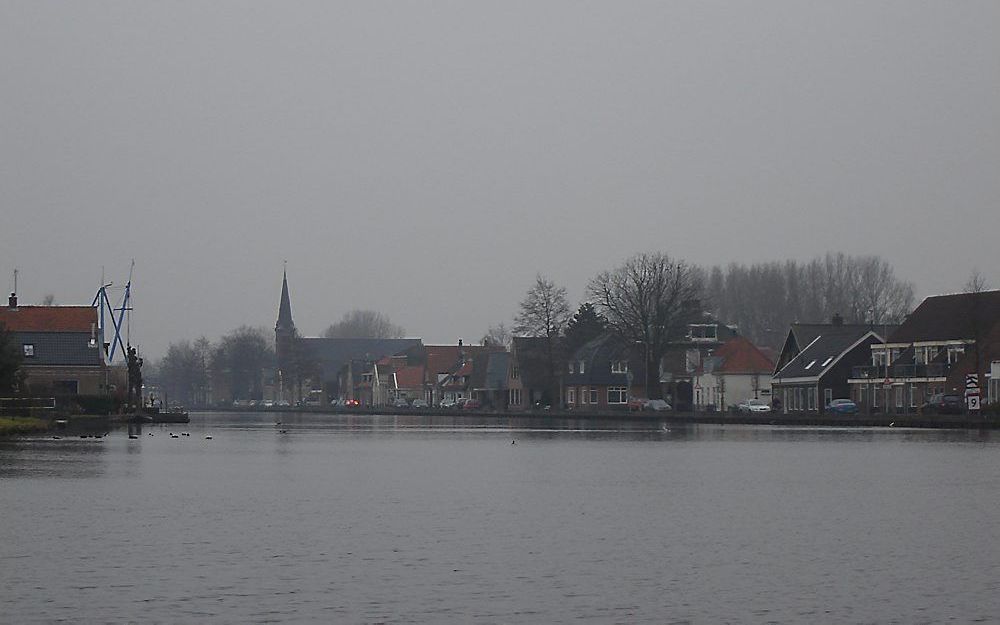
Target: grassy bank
(16,426)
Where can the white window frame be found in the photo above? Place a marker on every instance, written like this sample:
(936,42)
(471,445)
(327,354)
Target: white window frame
(28,350)
(827,396)
(595,396)
(571,395)
(622,395)
(619,366)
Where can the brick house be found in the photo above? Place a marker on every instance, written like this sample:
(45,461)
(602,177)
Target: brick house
(62,350)
(603,374)
(815,364)
(946,337)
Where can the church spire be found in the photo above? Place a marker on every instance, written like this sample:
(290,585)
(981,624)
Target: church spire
(284,307)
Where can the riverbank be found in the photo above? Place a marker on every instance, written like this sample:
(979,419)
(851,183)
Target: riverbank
(964,421)
(20,426)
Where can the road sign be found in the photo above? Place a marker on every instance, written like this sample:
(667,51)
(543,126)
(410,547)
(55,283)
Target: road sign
(973,401)
(972,384)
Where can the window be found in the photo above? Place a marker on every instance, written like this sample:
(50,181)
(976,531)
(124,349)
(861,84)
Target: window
(584,395)
(828,396)
(913,395)
(812,398)
(827,361)
(707,331)
(876,391)
(619,366)
(811,363)
(898,391)
(617,395)
(569,368)
(593,396)
(571,396)
(29,350)
(515,397)
(514,373)
(583,368)
(798,398)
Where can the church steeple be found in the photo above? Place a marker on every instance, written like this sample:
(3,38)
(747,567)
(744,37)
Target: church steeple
(285,322)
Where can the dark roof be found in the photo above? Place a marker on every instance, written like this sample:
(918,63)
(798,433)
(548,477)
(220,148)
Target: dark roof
(332,354)
(50,319)
(824,351)
(531,355)
(59,348)
(496,371)
(597,355)
(950,317)
(284,307)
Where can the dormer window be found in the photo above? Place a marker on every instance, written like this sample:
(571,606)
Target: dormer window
(811,363)
(583,368)
(29,350)
(570,368)
(619,366)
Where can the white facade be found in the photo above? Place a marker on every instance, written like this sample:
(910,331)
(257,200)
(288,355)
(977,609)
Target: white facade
(728,389)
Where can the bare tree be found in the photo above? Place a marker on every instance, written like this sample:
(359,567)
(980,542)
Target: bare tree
(364,324)
(544,313)
(240,359)
(497,336)
(649,300)
(976,283)
(183,372)
(544,310)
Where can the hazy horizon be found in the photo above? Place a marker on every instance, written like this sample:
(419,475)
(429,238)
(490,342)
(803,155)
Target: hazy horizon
(426,160)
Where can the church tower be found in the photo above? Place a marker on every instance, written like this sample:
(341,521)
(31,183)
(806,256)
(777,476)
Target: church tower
(284,334)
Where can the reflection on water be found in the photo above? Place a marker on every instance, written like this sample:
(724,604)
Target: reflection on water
(406,519)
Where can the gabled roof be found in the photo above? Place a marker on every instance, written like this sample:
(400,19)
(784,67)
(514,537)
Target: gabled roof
(531,357)
(950,317)
(739,355)
(49,319)
(824,352)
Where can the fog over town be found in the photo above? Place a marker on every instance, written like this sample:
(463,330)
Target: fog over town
(427,160)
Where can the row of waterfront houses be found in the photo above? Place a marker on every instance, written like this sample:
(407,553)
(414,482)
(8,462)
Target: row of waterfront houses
(883,369)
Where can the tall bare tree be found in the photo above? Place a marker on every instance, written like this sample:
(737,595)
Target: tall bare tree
(544,313)
(649,300)
(364,324)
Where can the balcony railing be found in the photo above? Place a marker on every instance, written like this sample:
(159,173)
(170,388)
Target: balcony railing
(881,372)
(876,372)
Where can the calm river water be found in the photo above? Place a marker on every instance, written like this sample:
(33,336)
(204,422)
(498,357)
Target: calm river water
(403,520)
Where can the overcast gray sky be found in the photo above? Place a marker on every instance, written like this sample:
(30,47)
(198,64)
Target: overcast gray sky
(426,159)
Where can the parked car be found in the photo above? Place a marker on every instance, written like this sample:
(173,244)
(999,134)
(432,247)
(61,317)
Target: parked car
(448,403)
(842,406)
(471,404)
(753,405)
(944,404)
(657,405)
(418,403)
(636,403)
(400,403)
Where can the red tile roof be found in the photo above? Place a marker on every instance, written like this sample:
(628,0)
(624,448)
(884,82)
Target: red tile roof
(49,318)
(442,358)
(739,355)
(409,377)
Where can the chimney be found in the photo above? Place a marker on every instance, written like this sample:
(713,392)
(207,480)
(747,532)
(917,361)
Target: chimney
(12,301)
(837,320)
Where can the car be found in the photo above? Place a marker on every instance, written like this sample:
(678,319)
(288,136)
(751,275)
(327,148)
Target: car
(418,403)
(471,404)
(657,405)
(842,406)
(753,405)
(284,403)
(636,403)
(448,403)
(942,403)
(400,403)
